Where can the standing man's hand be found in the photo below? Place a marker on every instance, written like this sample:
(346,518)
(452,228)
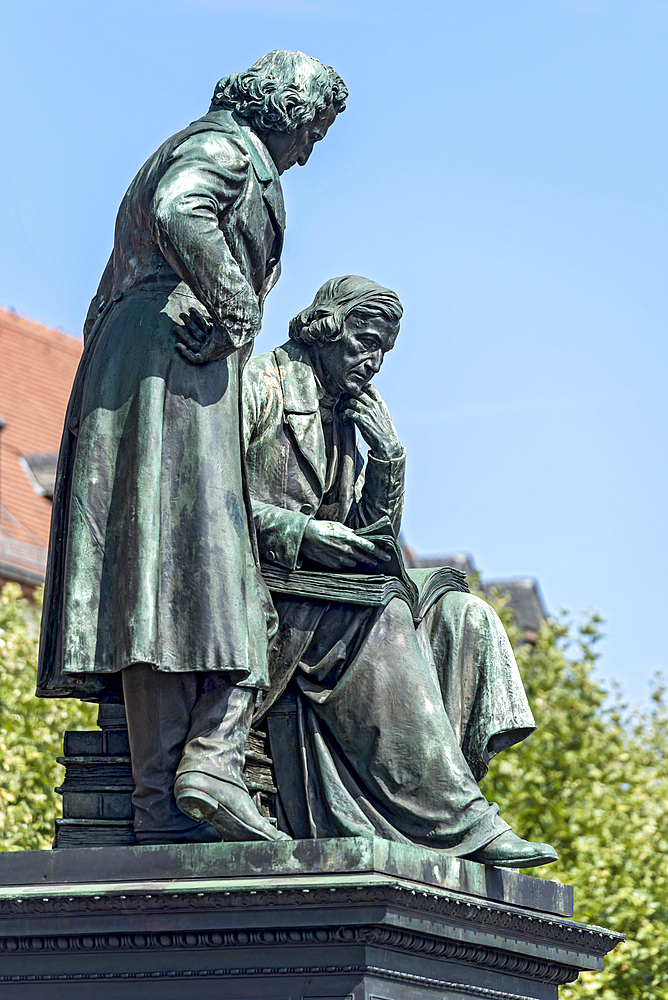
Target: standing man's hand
(201,341)
(372,417)
(338,547)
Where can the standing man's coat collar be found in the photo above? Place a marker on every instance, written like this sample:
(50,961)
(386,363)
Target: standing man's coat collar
(263,165)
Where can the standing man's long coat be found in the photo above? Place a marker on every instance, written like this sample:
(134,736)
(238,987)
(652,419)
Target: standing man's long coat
(151,555)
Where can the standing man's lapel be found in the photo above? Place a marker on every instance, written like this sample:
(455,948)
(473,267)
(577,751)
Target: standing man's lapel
(272,193)
(267,175)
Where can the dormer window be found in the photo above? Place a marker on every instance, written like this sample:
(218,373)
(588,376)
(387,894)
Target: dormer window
(41,471)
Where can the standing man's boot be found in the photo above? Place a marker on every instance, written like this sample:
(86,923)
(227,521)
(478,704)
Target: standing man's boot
(209,784)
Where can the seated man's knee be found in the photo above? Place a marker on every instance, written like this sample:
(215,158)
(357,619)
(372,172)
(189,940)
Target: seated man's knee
(398,612)
(470,604)
(472,611)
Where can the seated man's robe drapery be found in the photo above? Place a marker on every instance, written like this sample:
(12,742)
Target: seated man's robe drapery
(378,726)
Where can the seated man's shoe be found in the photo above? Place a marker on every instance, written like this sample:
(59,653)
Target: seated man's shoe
(510,851)
(225,806)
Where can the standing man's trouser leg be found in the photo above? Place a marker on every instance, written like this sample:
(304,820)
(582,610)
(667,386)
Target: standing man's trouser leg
(193,723)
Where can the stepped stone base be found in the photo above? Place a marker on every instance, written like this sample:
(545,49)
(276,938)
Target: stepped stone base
(98,784)
(348,919)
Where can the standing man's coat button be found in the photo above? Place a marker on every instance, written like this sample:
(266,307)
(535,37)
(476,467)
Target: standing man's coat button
(307,508)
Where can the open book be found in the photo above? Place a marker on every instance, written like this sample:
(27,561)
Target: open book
(367,586)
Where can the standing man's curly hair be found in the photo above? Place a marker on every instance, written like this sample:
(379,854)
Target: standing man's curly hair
(281,92)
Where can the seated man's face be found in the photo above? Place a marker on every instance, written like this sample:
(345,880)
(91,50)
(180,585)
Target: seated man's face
(347,364)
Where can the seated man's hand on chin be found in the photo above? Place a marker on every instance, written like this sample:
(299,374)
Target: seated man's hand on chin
(370,414)
(338,547)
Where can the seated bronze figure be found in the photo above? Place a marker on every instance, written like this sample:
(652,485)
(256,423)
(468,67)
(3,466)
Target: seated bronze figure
(380,725)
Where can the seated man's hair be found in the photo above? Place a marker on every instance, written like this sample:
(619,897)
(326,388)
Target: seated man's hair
(336,300)
(281,92)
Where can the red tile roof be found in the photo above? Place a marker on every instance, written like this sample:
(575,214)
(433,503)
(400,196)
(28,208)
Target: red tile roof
(37,367)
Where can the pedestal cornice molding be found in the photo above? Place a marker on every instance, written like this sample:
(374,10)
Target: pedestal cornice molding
(596,940)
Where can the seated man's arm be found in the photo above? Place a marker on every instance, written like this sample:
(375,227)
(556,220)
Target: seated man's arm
(379,490)
(279,533)
(285,536)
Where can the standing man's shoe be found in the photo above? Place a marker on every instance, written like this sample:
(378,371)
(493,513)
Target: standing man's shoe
(225,806)
(510,851)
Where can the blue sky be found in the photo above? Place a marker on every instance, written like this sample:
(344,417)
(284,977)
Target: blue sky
(501,165)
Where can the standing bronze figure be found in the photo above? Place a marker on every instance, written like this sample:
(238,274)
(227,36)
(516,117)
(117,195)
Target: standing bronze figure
(153,591)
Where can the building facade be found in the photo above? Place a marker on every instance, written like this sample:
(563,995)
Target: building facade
(37,368)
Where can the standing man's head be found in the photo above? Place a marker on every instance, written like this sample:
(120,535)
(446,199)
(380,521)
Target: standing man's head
(348,328)
(289,99)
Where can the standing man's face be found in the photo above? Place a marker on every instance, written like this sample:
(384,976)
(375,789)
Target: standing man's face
(288,148)
(349,363)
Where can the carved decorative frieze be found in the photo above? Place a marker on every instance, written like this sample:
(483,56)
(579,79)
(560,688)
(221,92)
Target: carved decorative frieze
(367,970)
(594,940)
(471,954)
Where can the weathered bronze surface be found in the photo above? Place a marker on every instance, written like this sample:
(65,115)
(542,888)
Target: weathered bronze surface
(152,579)
(379,724)
(174,487)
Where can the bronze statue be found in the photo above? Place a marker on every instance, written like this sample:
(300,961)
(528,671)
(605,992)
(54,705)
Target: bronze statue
(380,723)
(219,555)
(153,591)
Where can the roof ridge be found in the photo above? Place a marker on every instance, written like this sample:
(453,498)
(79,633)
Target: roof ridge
(41,331)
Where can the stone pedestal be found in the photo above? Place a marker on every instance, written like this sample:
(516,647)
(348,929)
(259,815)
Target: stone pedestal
(349,919)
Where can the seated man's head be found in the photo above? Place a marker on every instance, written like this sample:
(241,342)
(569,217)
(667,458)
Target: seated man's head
(289,99)
(348,328)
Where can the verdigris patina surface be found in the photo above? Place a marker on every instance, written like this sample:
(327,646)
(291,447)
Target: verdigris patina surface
(153,592)
(382,715)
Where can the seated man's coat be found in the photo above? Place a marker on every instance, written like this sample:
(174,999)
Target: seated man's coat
(376,727)
(287,461)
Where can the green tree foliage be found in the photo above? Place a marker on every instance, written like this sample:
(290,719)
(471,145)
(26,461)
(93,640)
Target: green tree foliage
(31,732)
(593,781)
